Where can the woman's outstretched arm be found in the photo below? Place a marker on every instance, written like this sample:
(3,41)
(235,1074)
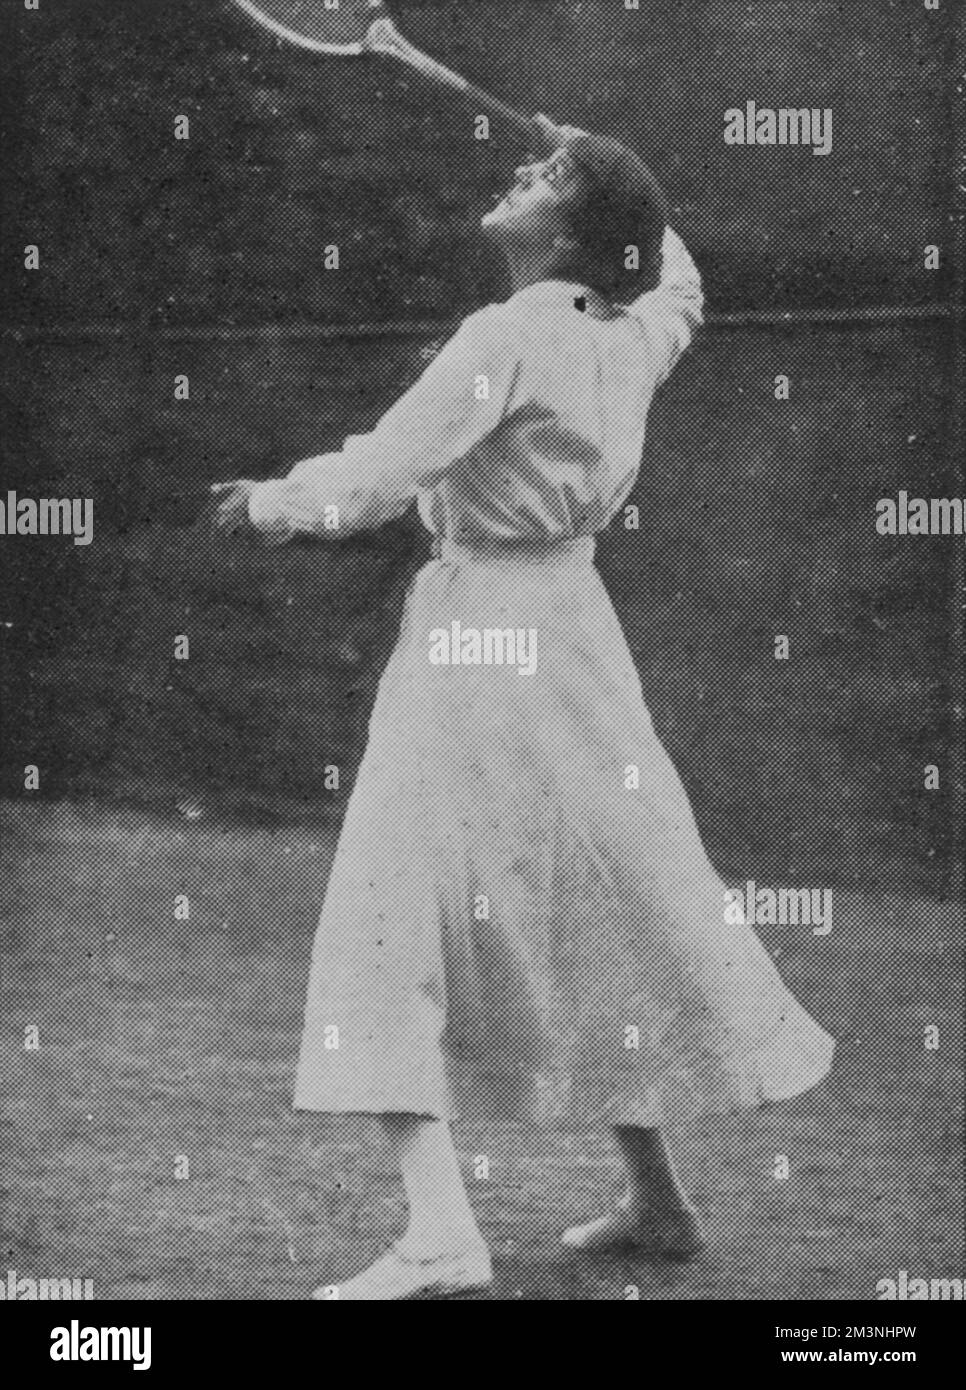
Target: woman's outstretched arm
(460,398)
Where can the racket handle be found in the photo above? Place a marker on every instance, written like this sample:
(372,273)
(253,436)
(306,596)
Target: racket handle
(383,37)
(526,124)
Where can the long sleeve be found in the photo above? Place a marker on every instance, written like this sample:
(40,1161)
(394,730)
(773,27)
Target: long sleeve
(673,312)
(460,398)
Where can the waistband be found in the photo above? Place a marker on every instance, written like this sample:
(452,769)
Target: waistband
(568,550)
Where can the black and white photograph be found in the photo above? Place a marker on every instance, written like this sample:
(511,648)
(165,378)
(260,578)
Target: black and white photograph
(481,660)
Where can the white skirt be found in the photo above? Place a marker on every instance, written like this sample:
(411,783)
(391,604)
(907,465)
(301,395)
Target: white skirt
(516,926)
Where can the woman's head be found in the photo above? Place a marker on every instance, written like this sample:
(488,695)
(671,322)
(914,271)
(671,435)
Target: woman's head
(576,214)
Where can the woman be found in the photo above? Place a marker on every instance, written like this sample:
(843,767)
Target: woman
(521,922)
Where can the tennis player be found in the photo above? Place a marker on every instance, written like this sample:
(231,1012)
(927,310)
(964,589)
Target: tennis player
(521,923)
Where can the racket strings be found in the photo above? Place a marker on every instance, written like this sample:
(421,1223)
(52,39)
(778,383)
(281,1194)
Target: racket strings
(315,24)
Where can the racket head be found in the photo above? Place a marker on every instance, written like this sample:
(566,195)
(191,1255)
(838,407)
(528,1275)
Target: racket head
(310,24)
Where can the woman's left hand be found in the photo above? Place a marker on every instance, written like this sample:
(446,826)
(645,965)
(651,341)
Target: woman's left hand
(557,136)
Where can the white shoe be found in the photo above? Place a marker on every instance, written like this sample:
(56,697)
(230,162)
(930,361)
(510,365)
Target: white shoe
(399,1276)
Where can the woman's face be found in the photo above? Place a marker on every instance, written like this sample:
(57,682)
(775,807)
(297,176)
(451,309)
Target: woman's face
(535,210)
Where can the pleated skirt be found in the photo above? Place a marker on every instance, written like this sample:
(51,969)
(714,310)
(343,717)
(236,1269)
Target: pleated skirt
(521,922)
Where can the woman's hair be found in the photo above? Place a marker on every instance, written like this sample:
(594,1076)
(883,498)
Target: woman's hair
(619,206)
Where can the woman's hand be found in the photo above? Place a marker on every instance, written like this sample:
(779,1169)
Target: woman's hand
(232,516)
(557,135)
(231,512)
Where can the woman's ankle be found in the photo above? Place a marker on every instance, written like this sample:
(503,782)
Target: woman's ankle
(670,1208)
(438,1243)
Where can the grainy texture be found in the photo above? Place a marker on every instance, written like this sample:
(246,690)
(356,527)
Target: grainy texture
(755,520)
(162,1038)
(197,1051)
(288,154)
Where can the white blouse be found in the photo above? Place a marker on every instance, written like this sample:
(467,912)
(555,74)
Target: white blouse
(529,423)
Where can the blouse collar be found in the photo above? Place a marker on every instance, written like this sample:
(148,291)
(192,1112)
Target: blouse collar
(562,294)
(550,291)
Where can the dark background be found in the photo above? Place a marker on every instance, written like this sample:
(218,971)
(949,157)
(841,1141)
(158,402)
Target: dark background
(165,1037)
(162,257)
(290,152)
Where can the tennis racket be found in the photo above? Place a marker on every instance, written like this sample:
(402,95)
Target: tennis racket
(355,28)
